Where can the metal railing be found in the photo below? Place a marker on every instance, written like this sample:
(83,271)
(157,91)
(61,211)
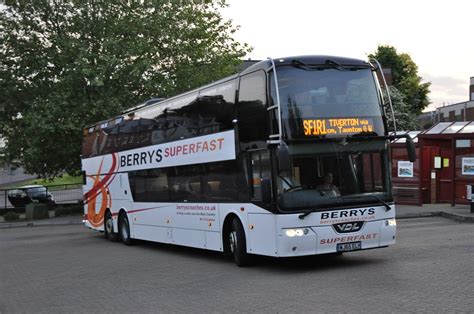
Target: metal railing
(15,199)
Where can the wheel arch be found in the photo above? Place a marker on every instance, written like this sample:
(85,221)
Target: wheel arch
(119,215)
(106,212)
(121,212)
(226,227)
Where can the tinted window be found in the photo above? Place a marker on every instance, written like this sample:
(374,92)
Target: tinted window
(320,102)
(219,181)
(193,114)
(252,108)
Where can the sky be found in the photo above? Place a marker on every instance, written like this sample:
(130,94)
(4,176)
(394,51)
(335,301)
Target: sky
(438,35)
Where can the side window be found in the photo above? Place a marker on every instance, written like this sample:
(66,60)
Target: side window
(217,108)
(213,182)
(149,185)
(260,170)
(252,88)
(252,107)
(185,183)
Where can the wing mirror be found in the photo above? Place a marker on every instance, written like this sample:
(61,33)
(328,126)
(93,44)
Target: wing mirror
(409,144)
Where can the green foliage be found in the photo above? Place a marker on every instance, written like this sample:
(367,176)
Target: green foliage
(60,180)
(406,121)
(11,216)
(405,78)
(67,64)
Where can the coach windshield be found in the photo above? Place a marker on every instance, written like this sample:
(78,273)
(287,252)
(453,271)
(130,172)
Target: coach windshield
(335,173)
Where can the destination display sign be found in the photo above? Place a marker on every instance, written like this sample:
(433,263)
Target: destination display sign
(337,126)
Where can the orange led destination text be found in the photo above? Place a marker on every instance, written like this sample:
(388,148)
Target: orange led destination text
(336,126)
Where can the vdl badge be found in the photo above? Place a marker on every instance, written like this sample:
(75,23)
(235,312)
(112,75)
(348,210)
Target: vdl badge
(347,247)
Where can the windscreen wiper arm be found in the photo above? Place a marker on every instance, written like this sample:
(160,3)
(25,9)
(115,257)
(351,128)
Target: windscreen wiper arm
(301,216)
(312,210)
(381,201)
(387,206)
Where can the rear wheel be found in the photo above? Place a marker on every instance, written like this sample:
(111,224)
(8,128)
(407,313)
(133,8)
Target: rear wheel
(124,228)
(238,245)
(109,228)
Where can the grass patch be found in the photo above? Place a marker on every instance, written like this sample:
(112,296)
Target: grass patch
(65,179)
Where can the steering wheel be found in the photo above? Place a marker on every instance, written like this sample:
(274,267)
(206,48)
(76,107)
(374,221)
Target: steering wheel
(292,187)
(295,188)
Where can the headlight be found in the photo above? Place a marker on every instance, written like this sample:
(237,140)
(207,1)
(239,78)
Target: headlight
(296,232)
(391,222)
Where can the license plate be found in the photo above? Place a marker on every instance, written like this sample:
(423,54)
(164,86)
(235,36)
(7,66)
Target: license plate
(351,246)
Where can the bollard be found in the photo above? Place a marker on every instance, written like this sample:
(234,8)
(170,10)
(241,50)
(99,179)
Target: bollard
(470,196)
(472,200)
(36,211)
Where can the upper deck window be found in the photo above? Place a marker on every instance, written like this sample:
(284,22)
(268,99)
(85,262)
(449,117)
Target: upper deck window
(322,101)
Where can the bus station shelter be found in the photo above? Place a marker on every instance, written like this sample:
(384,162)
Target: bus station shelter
(444,169)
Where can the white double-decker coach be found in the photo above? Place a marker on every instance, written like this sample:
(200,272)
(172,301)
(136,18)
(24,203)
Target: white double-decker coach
(288,158)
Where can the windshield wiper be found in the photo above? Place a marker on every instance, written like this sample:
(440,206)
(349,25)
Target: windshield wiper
(387,205)
(301,216)
(306,213)
(381,201)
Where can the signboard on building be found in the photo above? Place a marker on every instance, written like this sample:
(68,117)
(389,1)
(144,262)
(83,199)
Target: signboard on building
(468,166)
(405,169)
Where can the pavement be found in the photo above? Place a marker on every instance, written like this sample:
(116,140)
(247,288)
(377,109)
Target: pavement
(459,213)
(52,221)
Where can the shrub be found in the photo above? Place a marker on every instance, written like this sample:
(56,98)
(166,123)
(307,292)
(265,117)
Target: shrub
(62,211)
(11,216)
(68,210)
(76,209)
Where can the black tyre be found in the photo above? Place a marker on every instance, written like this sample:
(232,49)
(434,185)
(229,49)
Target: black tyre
(109,228)
(238,245)
(124,230)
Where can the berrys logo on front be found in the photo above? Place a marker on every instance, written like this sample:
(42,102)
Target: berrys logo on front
(347,213)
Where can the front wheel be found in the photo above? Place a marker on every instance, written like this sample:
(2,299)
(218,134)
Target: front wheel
(124,228)
(238,245)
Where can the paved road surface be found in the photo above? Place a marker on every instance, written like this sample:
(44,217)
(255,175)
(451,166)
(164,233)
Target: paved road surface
(72,269)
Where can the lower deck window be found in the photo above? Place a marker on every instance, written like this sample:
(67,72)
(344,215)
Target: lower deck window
(218,181)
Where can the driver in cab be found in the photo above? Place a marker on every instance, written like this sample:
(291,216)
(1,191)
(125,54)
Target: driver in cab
(327,188)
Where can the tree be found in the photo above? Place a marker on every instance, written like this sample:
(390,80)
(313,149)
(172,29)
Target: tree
(67,64)
(406,121)
(404,77)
